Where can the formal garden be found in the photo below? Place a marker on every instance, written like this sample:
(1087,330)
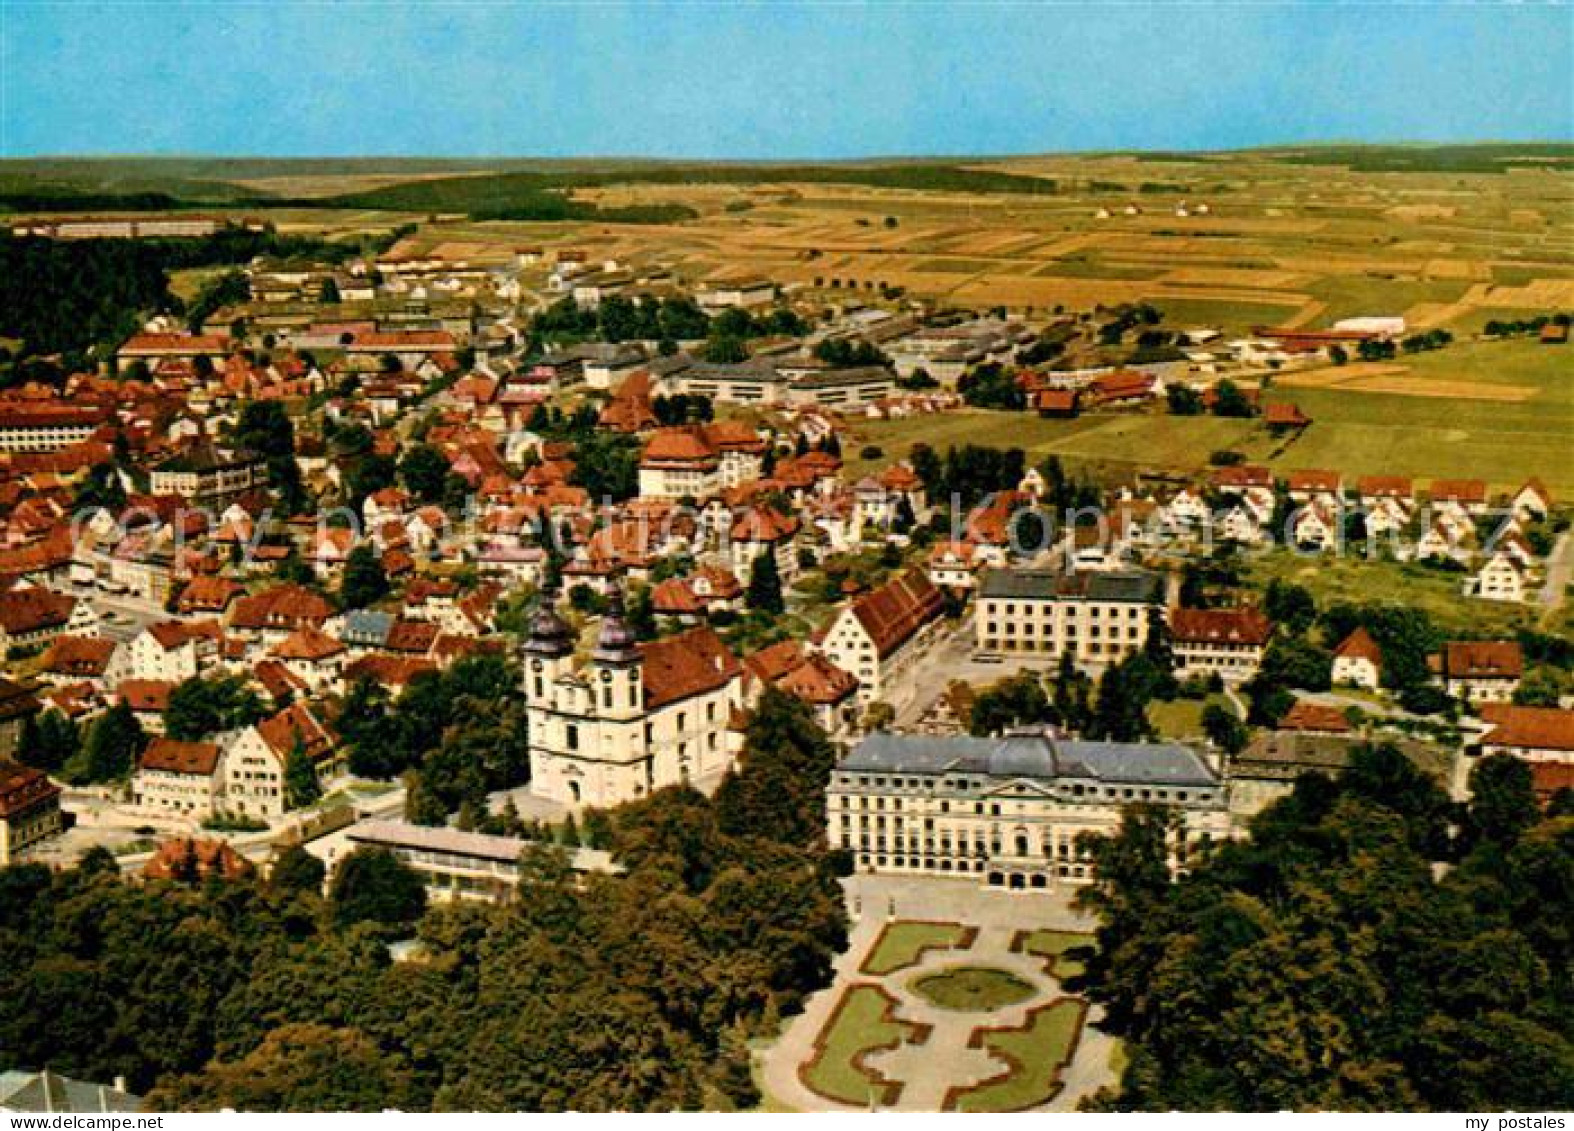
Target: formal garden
(945,1016)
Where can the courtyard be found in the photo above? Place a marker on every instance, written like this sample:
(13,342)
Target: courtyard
(949,997)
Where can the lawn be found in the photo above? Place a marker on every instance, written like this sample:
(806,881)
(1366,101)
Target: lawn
(1037,1052)
(1436,593)
(972,989)
(1126,441)
(1053,946)
(1225,314)
(902,944)
(1182,718)
(864,1022)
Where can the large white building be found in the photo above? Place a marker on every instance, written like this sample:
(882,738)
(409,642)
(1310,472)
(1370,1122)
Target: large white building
(1009,811)
(634,719)
(1099,617)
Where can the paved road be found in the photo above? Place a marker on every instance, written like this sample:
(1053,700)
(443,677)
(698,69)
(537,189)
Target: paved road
(1560,567)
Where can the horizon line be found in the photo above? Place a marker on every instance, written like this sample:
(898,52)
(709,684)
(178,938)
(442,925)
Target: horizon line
(1266,147)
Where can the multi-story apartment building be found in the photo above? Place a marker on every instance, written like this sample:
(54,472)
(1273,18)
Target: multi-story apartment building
(1010,811)
(206,474)
(47,427)
(881,634)
(698,461)
(1098,617)
(1224,642)
(177,778)
(636,718)
(29,810)
(1480,671)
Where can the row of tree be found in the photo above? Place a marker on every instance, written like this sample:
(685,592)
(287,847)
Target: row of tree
(1326,962)
(638,991)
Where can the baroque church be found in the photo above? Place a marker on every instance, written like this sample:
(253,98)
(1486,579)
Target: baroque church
(632,719)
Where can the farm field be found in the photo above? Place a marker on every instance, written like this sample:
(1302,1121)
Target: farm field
(1447,236)
(1513,422)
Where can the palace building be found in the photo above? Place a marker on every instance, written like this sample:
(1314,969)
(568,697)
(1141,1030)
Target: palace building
(635,718)
(1008,811)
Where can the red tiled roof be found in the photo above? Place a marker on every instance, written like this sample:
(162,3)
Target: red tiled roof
(411,636)
(687,664)
(1458,490)
(78,655)
(763,524)
(187,858)
(308,643)
(1123,384)
(145,694)
(818,681)
(674,597)
(1548,777)
(1220,626)
(1309,716)
(896,610)
(392,671)
(175,757)
(1315,481)
(1283,413)
(281,607)
(1359,645)
(679,445)
(1529,728)
(1385,486)
(23,611)
(296,723)
(22,788)
(1245,475)
(1482,659)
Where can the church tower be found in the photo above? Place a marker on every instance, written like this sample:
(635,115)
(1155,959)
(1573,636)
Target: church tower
(548,650)
(548,655)
(616,664)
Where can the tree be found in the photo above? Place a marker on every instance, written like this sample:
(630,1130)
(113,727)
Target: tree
(1228,400)
(199,707)
(265,428)
(777,790)
(372,885)
(297,1067)
(991,385)
(1224,728)
(725,350)
(364,582)
(110,751)
(1290,605)
(1541,687)
(1070,699)
(1306,942)
(1013,701)
(301,785)
(1502,799)
(100,489)
(1183,400)
(297,871)
(765,585)
(49,740)
(1121,707)
(423,469)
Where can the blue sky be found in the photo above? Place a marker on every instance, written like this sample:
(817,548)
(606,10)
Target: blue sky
(770,80)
